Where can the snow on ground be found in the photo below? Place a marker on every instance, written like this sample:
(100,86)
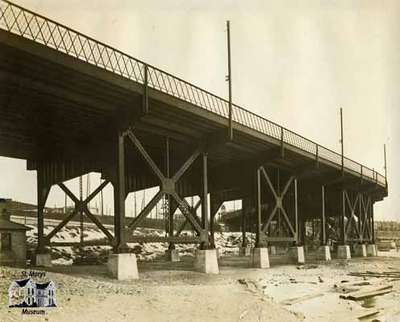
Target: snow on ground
(227,243)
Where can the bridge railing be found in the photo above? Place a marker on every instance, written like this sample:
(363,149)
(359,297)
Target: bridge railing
(40,29)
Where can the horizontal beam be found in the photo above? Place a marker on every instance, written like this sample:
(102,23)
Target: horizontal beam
(160,239)
(280,239)
(96,242)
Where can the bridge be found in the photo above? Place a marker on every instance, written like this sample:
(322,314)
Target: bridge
(71,105)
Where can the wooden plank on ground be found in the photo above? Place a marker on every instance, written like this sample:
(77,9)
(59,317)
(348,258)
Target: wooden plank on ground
(299,299)
(367,292)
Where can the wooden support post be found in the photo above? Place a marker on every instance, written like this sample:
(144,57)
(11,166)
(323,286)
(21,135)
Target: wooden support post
(323,217)
(119,198)
(215,204)
(372,222)
(342,227)
(360,218)
(259,242)
(170,207)
(204,204)
(244,226)
(296,215)
(42,194)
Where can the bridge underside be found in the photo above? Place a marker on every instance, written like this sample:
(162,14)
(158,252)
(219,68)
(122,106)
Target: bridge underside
(68,118)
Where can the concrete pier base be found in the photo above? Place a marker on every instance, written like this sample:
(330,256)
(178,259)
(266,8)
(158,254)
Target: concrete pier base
(245,251)
(272,250)
(260,257)
(296,254)
(343,252)
(172,255)
(123,266)
(372,250)
(324,253)
(43,260)
(360,250)
(206,261)
(218,251)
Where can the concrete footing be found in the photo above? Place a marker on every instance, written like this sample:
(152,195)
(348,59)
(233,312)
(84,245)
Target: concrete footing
(372,250)
(172,255)
(324,253)
(360,250)
(245,251)
(296,254)
(343,252)
(206,261)
(123,266)
(43,260)
(218,251)
(260,257)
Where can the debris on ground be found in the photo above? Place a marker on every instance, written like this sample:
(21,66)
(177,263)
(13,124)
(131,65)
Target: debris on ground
(389,274)
(367,292)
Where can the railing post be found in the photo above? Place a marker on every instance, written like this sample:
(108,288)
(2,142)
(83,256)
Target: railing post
(282,141)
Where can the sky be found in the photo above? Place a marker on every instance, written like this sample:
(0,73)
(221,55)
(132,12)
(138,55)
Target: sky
(293,62)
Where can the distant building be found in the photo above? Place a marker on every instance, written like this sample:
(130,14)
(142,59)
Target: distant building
(27,293)
(12,239)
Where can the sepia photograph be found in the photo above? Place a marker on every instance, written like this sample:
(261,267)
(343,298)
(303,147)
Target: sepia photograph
(179,161)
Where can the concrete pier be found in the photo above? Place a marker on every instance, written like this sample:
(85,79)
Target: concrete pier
(43,260)
(324,253)
(296,254)
(123,266)
(360,250)
(172,255)
(372,250)
(343,252)
(260,257)
(245,251)
(206,261)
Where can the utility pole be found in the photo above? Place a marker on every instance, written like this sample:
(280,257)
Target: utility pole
(229,79)
(341,137)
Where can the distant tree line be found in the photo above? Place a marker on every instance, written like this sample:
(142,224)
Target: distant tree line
(387,225)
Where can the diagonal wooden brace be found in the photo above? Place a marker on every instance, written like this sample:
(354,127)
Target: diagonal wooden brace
(167,185)
(278,196)
(183,225)
(352,207)
(80,206)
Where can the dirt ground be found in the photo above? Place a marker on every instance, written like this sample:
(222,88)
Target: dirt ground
(174,292)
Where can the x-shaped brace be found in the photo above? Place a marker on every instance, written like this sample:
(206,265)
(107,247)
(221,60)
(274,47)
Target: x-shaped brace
(278,196)
(365,227)
(81,206)
(352,207)
(168,186)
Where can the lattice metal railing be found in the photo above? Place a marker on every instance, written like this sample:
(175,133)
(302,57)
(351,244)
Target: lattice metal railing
(35,27)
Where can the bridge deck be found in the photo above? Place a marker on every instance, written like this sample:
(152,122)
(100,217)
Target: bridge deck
(77,85)
(71,105)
